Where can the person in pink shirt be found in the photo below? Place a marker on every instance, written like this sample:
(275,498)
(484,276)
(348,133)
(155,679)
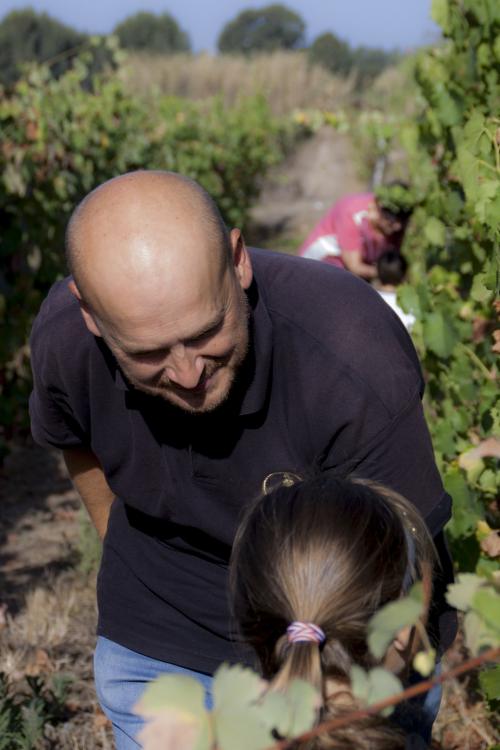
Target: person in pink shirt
(355,232)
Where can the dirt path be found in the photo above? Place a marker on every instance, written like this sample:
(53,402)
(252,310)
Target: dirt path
(301,189)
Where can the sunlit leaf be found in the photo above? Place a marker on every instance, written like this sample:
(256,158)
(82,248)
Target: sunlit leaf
(389,620)
(461,593)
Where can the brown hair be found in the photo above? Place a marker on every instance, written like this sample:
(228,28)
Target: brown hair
(328,551)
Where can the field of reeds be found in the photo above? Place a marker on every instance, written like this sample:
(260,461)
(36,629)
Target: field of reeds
(286,79)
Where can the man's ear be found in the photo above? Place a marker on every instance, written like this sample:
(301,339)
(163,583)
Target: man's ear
(84,309)
(241,259)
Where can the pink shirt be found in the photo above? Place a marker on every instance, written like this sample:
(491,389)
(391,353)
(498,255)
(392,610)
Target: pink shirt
(345,228)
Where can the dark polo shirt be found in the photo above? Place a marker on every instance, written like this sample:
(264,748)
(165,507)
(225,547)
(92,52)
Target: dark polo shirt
(332,382)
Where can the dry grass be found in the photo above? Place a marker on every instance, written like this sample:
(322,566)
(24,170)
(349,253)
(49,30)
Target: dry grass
(285,79)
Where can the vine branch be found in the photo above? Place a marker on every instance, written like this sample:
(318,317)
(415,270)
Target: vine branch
(492,654)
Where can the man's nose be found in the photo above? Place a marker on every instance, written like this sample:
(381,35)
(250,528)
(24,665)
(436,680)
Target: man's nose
(184,367)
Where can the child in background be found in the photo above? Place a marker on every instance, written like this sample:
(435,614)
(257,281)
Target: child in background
(312,562)
(391,272)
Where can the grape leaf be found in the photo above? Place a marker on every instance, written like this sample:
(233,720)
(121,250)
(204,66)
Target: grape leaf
(237,721)
(374,686)
(461,593)
(390,619)
(439,334)
(174,707)
(486,602)
(478,634)
(489,679)
(435,231)
(440,14)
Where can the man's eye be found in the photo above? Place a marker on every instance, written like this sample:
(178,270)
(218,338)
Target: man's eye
(206,335)
(156,354)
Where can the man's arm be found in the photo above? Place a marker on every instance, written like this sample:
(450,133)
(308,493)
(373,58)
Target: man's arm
(353,261)
(88,477)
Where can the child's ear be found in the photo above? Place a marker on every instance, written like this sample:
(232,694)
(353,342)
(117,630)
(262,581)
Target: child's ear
(403,639)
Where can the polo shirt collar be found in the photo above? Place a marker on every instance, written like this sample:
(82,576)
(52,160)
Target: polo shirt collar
(260,354)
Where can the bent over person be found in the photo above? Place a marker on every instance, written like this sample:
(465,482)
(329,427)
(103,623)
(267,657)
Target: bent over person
(177,369)
(358,229)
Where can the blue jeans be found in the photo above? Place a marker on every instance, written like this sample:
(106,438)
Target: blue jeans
(121,676)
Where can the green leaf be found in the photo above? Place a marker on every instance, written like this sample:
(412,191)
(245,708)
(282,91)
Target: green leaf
(177,691)
(174,706)
(489,679)
(439,334)
(425,662)
(440,13)
(486,602)
(435,231)
(293,712)
(383,684)
(360,683)
(237,720)
(461,593)
(374,686)
(236,686)
(478,634)
(409,300)
(390,619)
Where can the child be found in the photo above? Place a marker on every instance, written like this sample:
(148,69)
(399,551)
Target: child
(391,271)
(312,562)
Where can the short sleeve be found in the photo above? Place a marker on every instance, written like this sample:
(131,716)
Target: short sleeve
(51,424)
(347,232)
(55,362)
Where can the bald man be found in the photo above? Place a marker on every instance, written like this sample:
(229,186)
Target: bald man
(180,372)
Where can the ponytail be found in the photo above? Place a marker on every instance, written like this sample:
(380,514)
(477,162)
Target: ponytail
(330,552)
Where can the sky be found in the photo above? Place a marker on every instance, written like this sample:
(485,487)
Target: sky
(390,24)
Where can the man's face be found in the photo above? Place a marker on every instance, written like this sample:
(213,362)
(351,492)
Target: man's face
(189,358)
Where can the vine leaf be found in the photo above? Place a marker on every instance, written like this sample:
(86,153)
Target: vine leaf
(439,334)
(374,686)
(435,231)
(388,621)
(237,719)
(293,712)
(489,680)
(176,719)
(461,593)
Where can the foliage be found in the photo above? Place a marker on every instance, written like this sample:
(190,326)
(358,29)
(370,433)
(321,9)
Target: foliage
(27,36)
(454,153)
(24,716)
(250,716)
(369,62)
(151,33)
(452,146)
(262,30)
(61,138)
(396,197)
(332,53)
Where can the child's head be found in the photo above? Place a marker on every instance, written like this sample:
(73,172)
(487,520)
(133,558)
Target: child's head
(391,268)
(329,552)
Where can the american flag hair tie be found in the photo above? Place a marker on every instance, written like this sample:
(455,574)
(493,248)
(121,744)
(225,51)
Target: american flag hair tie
(301,632)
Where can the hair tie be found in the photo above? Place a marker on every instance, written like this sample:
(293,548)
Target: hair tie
(301,632)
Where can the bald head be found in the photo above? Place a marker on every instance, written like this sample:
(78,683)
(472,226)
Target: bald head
(137,229)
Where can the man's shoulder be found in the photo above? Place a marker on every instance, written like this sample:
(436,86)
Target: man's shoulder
(313,293)
(335,319)
(59,327)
